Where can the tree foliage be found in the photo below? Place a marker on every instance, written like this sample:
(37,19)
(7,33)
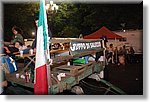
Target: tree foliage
(20,15)
(73,19)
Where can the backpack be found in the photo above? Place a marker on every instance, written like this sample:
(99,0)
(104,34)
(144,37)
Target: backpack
(9,65)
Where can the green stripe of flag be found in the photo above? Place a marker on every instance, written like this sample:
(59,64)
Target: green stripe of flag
(42,22)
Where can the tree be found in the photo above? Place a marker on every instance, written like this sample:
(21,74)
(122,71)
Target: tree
(73,19)
(65,21)
(21,15)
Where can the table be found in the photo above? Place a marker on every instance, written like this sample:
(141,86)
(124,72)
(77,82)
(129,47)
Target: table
(20,81)
(31,57)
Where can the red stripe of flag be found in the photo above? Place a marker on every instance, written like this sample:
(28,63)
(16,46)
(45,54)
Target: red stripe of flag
(41,85)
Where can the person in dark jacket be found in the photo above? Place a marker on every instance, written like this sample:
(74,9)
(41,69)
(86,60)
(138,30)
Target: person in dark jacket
(35,40)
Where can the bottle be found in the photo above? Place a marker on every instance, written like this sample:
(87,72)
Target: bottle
(86,59)
(68,63)
(21,53)
(27,76)
(31,51)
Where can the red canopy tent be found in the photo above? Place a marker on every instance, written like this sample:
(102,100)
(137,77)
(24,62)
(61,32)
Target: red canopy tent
(103,32)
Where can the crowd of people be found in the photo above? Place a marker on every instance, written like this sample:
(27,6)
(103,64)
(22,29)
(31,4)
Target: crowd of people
(115,55)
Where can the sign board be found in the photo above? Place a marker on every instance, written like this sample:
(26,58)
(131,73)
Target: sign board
(82,46)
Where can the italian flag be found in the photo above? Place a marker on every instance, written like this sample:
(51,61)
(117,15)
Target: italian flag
(42,53)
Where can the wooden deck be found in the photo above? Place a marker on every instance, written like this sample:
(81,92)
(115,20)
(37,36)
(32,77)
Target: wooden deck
(74,73)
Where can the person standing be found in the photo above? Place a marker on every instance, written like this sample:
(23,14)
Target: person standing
(111,54)
(131,55)
(125,53)
(116,60)
(35,40)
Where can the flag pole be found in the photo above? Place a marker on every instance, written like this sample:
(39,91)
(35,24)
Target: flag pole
(49,78)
